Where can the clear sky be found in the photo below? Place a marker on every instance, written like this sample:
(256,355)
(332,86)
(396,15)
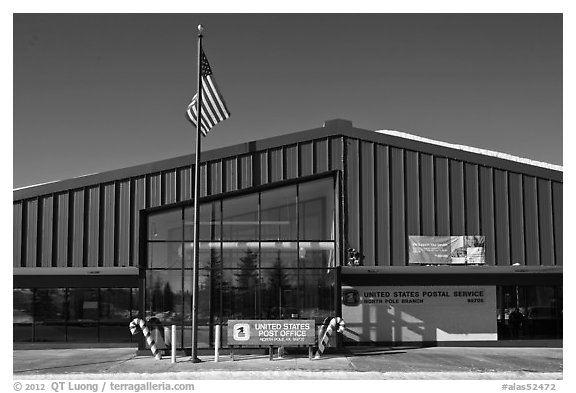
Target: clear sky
(96,92)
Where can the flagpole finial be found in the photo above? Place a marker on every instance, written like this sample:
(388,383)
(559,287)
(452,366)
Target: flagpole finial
(200,29)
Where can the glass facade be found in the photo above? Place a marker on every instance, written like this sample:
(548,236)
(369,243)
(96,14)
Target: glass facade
(529,312)
(267,254)
(74,314)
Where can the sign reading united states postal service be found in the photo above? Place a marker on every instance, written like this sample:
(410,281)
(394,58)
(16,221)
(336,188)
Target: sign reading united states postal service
(285,332)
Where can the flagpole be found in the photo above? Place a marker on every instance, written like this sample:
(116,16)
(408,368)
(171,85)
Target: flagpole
(194,357)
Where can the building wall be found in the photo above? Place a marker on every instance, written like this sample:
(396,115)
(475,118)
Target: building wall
(98,225)
(390,193)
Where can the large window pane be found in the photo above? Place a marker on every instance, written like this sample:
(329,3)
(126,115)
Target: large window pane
(22,314)
(204,296)
(49,305)
(166,255)
(316,210)
(240,294)
(279,293)
(165,225)
(278,214)
(209,255)
(239,255)
(114,304)
(240,218)
(317,292)
(82,315)
(209,222)
(316,254)
(164,295)
(278,255)
(114,313)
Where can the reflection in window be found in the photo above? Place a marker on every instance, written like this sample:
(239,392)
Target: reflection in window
(209,222)
(239,294)
(540,312)
(22,315)
(240,218)
(165,225)
(240,255)
(166,255)
(50,314)
(164,295)
(278,255)
(262,255)
(278,214)
(279,293)
(316,254)
(316,210)
(204,290)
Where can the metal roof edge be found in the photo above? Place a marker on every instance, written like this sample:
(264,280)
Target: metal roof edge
(444,269)
(331,128)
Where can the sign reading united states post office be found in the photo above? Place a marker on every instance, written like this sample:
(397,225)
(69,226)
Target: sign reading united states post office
(285,332)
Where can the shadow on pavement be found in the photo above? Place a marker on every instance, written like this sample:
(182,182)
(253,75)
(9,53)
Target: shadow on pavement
(55,368)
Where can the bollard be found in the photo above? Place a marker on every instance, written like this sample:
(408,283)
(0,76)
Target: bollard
(217,329)
(173,343)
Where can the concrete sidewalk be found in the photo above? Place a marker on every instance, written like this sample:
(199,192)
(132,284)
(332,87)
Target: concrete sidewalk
(356,363)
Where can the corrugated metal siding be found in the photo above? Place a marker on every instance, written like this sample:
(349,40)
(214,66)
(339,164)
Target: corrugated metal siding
(76,229)
(442,197)
(516,209)
(231,174)
(306,155)
(336,154)
(390,193)
(531,221)
(487,212)
(321,156)
(412,194)
(397,224)
(45,233)
(17,234)
(123,212)
(457,209)
(472,200)
(108,227)
(427,195)
(383,227)
(169,191)
(557,214)
(368,226)
(352,190)
(546,226)
(291,162)
(246,171)
(92,251)
(185,176)
(502,218)
(31,233)
(275,161)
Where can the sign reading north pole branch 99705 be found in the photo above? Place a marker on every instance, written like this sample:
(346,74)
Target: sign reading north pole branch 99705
(284,332)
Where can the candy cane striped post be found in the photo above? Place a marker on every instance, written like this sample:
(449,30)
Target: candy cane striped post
(146,332)
(336,324)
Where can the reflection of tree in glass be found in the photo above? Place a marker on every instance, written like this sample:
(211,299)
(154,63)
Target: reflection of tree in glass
(44,307)
(168,298)
(245,281)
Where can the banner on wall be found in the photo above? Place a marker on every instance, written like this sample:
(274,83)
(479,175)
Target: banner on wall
(446,250)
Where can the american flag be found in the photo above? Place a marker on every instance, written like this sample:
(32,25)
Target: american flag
(214,109)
